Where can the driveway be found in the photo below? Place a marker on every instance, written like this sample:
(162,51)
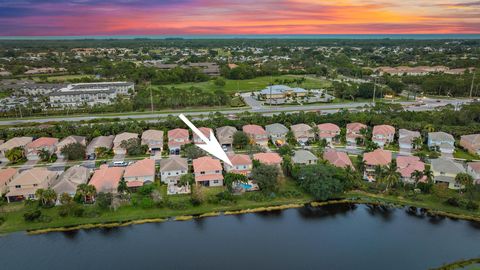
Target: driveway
(119,157)
(28,165)
(58,166)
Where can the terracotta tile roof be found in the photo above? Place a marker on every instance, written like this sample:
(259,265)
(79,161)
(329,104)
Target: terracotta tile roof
(208,177)
(106,179)
(152,135)
(173,164)
(268,158)
(408,164)
(355,127)
(225,134)
(144,167)
(6,175)
(475,166)
(206,164)
(300,128)
(205,131)
(36,175)
(16,142)
(100,141)
(134,184)
(43,142)
(329,127)
(240,159)
(378,157)
(383,130)
(254,129)
(178,133)
(125,136)
(337,158)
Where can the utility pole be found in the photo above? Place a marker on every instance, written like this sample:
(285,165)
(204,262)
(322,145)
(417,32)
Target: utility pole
(471,86)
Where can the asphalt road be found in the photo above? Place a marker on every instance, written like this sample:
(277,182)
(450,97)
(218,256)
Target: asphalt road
(429,104)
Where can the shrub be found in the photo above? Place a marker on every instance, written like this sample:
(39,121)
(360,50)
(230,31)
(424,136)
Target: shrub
(453,201)
(471,205)
(177,205)
(79,211)
(33,215)
(146,202)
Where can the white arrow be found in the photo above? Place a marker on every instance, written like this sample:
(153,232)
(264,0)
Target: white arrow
(211,145)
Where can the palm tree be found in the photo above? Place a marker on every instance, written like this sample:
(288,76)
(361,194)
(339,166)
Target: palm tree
(122,187)
(50,196)
(15,154)
(44,154)
(392,176)
(464,179)
(428,175)
(417,142)
(417,175)
(39,195)
(87,192)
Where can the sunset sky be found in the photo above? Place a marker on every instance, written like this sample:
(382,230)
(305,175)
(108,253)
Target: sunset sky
(179,17)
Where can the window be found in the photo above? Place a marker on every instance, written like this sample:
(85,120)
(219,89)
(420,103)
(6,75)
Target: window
(202,172)
(35,185)
(217,171)
(18,186)
(215,181)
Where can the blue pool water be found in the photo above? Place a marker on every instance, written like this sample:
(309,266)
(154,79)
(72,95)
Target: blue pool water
(246,186)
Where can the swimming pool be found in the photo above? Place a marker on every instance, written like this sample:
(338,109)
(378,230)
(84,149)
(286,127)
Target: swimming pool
(246,186)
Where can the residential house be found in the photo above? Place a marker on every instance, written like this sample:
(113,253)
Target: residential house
(256,134)
(153,139)
(471,143)
(337,158)
(70,140)
(442,141)
(6,176)
(242,164)
(383,135)
(119,139)
(473,168)
(304,157)
(444,172)
(99,142)
(277,133)
(32,149)
(205,131)
(106,179)
(303,133)
(378,157)
(12,143)
(270,158)
(176,138)
(171,169)
(69,180)
(354,131)
(208,171)
(225,135)
(328,132)
(406,165)
(26,183)
(406,138)
(139,173)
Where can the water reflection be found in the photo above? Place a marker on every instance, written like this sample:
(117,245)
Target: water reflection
(383,211)
(331,210)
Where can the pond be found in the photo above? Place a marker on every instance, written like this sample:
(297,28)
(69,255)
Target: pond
(343,236)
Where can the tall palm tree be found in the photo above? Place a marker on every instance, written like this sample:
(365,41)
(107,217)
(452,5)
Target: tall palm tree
(417,143)
(417,175)
(392,176)
(86,191)
(428,175)
(122,187)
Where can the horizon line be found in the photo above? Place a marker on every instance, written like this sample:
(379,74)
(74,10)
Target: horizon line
(246,36)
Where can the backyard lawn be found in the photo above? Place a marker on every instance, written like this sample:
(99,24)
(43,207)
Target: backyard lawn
(460,153)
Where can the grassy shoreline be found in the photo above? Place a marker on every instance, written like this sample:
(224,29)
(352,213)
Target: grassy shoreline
(131,216)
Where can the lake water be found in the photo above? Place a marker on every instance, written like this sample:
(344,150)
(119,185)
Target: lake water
(331,237)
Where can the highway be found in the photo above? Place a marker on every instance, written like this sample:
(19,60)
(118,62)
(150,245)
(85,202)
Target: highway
(255,107)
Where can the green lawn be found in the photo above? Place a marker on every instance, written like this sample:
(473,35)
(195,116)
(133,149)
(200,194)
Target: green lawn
(460,153)
(62,78)
(255,84)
